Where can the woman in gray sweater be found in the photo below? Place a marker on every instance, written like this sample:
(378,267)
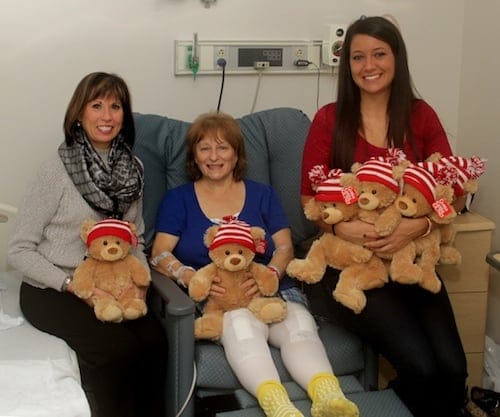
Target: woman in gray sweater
(93,175)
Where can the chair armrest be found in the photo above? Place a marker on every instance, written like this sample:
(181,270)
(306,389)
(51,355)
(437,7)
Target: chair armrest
(493,258)
(175,310)
(177,301)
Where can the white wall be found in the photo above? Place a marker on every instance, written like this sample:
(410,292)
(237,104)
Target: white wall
(479,120)
(48,45)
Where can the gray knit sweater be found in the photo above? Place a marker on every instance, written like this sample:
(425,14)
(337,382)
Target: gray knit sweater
(45,245)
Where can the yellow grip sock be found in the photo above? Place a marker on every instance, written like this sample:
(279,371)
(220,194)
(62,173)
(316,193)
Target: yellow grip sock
(327,397)
(274,400)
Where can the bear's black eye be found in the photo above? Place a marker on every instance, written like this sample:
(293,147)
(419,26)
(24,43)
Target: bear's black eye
(227,252)
(414,200)
(374,192)
(117,242)
(240,251)
(105,243)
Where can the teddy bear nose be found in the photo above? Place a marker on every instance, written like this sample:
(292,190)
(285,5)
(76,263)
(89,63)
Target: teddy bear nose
(235,261)
(402,205)
(113,251)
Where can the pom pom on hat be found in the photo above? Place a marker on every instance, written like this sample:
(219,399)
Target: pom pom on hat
(112,227)
(236,231)
(393,156)
(378,171)
(455,171)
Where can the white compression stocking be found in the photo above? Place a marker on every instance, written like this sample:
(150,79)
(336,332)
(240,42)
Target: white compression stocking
(245,343)
(301,348)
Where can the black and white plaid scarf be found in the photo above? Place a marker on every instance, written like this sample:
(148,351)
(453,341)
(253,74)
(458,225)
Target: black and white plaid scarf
(110,187)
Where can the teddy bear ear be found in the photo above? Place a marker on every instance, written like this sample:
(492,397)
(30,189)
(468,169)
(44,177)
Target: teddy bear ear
(445,192)
(349,180)
(355,167)
(209,236)
(471,186)
(399,170)
(86,226)
(133,228)
(434,157)
(312,210)
(257,233)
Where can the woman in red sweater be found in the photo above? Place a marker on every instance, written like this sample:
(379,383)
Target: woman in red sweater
(376,109)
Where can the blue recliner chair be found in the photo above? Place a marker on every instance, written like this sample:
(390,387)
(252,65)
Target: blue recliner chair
(198,371)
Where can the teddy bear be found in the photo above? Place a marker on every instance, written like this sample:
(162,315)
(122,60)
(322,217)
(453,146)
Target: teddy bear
(377,182)
(232,246)
(426,193)
(463,174)
(360,270)
(111,267)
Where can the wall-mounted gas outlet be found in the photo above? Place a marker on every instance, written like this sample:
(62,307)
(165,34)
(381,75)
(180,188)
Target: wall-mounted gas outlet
(240,57)
(333,43)
(219,52)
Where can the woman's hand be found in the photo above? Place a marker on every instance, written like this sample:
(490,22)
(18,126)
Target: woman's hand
(356,231)
(407,231)
(215,289)
(250,285)
(362,233)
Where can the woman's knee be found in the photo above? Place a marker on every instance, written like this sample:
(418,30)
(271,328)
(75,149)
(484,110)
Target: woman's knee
(299,324)
(241,324)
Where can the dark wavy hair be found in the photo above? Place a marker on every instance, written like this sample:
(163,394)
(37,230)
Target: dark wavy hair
(98,85)
(222,126)
(348,112)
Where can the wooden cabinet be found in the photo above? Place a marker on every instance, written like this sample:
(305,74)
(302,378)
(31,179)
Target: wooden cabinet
(467,286)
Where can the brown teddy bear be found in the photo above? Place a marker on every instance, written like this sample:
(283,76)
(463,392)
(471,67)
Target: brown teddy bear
(463,174)
(360,270)
(423,195)
(377,182)
(111,268)
(232,246)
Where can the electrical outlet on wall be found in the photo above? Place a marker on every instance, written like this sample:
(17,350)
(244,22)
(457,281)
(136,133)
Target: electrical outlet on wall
(333,43)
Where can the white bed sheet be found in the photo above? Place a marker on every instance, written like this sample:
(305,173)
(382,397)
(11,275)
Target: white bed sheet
(39,374)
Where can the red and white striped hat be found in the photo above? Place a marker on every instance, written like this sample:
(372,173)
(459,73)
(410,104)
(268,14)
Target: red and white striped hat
(112,227)
(233,231)
(327,185)
(467,169)
(422,180)
(378,171)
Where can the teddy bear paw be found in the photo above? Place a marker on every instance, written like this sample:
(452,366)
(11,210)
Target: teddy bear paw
(305,271)
(208,327)
(431,283)
(355,299)
(268,310)
(134,309)
(108,311)
(408,274)
(450,256)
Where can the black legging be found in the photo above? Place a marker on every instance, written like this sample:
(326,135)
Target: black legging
(416,332)
(122,366)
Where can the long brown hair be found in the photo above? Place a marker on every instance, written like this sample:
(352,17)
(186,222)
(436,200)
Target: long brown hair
(348,112)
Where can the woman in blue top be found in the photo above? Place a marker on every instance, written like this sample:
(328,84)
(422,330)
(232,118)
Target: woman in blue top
(216,163)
